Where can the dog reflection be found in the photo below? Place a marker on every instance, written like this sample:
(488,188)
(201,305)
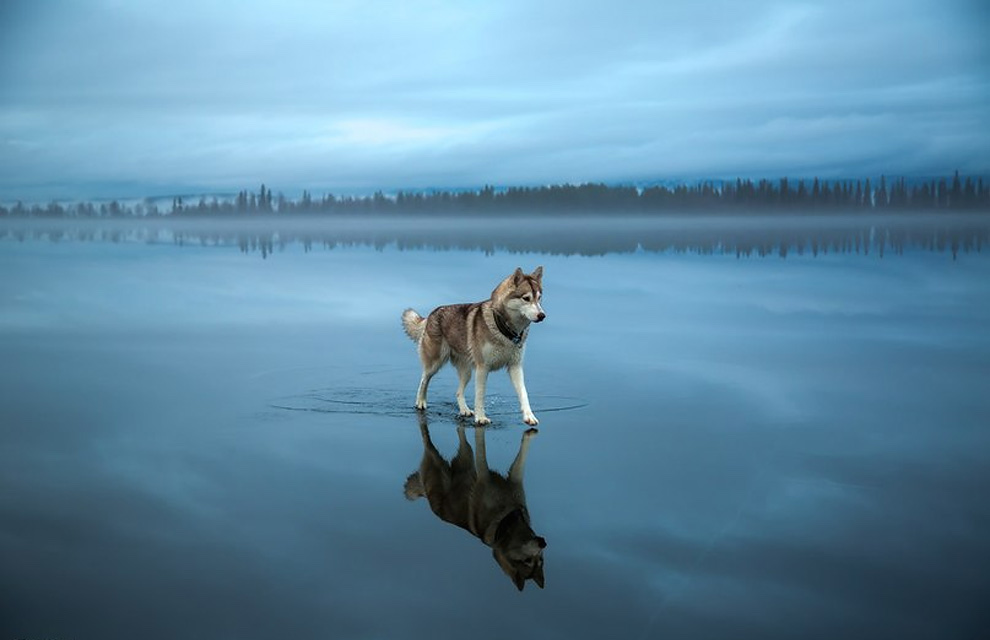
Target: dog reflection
(491,506)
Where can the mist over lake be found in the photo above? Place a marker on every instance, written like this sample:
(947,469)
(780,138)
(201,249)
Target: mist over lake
(758,234)
(749,427)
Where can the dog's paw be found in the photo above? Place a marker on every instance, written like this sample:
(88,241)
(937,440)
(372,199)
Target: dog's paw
(465,413)
(420,406)
(482,420)
(531,420)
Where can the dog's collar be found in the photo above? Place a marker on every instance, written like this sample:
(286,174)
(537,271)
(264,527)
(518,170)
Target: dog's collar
(506,330)
(498,527)
(503,525)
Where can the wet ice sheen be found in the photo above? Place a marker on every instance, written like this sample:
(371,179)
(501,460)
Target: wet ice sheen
(195,441)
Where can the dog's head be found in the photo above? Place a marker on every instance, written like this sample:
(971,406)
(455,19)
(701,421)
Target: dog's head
(522,294)
(521,558)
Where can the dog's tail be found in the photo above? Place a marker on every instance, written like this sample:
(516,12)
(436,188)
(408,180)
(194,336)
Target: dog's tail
(414,324)
(414,486)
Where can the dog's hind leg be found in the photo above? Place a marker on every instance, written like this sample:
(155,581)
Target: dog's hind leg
(463,376)
(433,353)
(424,383)
(424,431)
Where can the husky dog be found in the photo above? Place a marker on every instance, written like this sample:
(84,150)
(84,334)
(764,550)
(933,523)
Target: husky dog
(492,507)
(483,336)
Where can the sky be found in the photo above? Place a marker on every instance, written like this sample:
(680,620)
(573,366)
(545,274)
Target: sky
(115,98)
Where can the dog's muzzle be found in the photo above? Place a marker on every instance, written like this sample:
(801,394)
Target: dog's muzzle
(540,317)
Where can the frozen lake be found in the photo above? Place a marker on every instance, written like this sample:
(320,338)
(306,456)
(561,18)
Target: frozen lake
(198,442)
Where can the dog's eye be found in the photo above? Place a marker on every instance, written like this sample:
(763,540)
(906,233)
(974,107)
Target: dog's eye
(527,297)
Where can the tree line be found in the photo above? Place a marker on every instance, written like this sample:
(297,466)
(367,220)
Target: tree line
(783,195)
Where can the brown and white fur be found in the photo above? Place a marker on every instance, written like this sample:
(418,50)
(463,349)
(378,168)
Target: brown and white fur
(480,337)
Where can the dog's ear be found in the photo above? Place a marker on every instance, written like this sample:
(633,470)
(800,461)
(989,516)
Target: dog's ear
(538,575)
(538,274)
(518,580)
(518,276)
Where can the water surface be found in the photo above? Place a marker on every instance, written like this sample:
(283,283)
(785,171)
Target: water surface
(196,442)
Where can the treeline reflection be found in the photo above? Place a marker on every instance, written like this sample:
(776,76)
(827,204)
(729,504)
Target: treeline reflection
(718,235)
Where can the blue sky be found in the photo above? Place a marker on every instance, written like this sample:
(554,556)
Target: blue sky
(125,98)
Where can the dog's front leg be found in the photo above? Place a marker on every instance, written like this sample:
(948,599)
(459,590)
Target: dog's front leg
(519,382)
(480,380)
(481,469)
(463,375)
(519,464)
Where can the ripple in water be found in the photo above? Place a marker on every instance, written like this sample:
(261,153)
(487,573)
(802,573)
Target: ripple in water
(389,402)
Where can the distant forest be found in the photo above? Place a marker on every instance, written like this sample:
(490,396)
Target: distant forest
(783,196)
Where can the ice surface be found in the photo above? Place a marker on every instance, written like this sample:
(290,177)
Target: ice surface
(196,441)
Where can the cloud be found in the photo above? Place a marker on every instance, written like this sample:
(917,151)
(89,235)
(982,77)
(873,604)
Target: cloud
(385,95)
